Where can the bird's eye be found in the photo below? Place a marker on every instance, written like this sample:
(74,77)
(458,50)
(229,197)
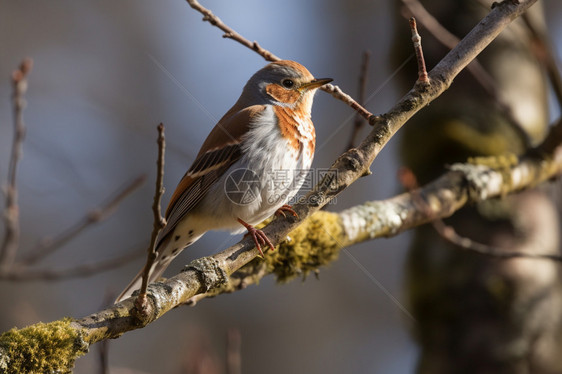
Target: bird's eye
(287,83)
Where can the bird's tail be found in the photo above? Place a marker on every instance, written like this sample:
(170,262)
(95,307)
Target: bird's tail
(160,264)
(155,272)
(167,250)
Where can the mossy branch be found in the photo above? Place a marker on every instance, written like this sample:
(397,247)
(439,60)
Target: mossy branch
(315,243)
(318,241)
(41,348)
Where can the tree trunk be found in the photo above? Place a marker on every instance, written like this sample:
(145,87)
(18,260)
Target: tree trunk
(476,313)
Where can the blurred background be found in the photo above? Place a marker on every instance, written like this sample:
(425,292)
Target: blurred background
(105,74)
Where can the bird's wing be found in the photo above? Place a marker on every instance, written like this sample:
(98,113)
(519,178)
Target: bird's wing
(221,149)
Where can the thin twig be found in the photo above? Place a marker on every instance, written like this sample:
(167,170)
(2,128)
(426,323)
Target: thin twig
(335,91)
(158,221)
(449,233)
(431,24)
(11,214)
(359,120)
(416,39)
(338,94)
(26,274)
(49,245)
(230,33)
(481,76)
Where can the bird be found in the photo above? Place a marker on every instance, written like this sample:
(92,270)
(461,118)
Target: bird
(252,163)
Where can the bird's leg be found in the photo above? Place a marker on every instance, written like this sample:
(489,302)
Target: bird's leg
(286,208)
(258,236)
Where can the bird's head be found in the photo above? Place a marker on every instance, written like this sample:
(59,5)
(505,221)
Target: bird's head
(285,83)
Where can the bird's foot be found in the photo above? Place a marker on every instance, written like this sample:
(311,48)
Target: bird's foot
(286,208)
(259,237)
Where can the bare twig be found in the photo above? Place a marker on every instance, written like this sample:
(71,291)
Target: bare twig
(158,221)
(11,214)
(449,40)
(230,33)
(449,233)
(431,24)
(26,274)
(335,91)
(11,270)
(49,245)
(416,39)
(482,77)
(359,121)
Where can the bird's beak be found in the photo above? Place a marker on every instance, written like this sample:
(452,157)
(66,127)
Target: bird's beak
(315,83)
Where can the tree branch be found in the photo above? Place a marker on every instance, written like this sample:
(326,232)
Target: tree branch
(416,39)
(11,215)
(49,245)
(335,91)
(27,274)
(158,221)
(10,269)
(481,76)
(464,184)
(208,16)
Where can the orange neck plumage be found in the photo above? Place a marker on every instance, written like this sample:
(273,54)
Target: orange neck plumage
(297,128)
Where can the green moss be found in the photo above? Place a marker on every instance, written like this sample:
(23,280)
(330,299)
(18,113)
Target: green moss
(313,244)
(504,161)
(41,348)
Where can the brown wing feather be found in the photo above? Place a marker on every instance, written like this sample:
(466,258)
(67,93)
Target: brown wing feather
(220,150)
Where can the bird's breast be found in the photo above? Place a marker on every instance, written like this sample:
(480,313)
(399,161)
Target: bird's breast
(297,129)
(278,139)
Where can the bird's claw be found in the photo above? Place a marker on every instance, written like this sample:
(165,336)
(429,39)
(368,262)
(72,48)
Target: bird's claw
(286,208)
(259,237)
